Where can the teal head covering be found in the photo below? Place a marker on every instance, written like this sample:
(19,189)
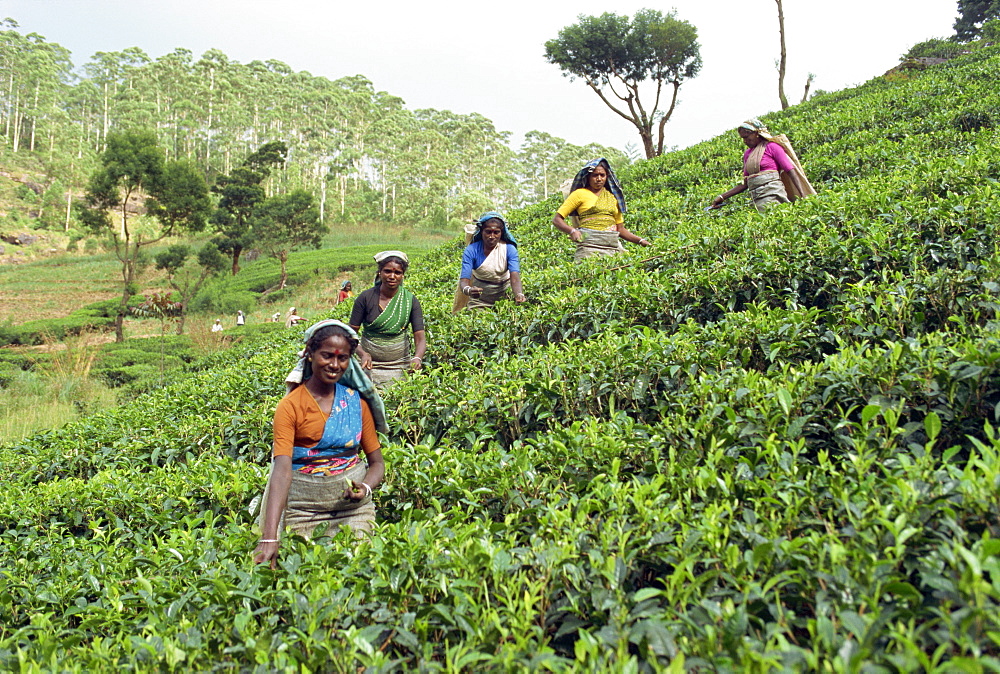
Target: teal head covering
(354,377)
(505,236)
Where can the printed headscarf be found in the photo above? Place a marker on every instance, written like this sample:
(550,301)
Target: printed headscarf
(612,185)
(505,236)
(757,127)
(353,377)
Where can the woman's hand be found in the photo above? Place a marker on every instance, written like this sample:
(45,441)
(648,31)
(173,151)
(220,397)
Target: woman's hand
(520,298)
(356,491)
(416,363)
(645,243)
(474,291)
(266,552)
(576,236)
(366,361)
(717,201)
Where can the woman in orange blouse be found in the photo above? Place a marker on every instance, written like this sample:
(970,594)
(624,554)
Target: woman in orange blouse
(327,456)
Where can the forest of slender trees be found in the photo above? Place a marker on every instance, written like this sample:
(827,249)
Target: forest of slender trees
(362,154)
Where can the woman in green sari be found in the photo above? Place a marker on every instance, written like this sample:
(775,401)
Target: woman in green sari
(384,315)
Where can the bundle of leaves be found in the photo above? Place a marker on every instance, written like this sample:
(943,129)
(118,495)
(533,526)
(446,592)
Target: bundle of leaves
(766,443)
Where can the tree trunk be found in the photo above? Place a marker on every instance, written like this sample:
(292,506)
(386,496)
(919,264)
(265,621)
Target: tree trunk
(322,197)
(647,142)
(120,316)
(237,251)
(781,61)
(31,143)
(283,256)
(809,81)
(17,119)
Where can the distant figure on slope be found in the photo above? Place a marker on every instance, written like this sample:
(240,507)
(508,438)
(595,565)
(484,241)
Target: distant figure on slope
(291,318)
(772,171)
(599,203)
(490,265)
(331,411)
(388,311)
(217,326)
(346,290)
(240,318)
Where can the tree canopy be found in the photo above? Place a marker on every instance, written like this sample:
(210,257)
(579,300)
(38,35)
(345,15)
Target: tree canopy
(239,193)
(174,193)
(285,222)
(971,16)
(615,55)
(185,278)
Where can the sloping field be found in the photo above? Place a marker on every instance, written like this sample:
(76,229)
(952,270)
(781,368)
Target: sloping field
(767,444)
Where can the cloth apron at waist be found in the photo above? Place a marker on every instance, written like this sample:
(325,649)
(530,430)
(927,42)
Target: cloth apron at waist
(596,242)
(766,189)
(390,357)
(319,499)
(492,291)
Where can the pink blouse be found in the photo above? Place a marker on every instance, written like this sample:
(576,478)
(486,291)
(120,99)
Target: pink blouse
(775,159)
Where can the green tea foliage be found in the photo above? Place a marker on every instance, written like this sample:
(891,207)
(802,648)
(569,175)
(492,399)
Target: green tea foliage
(257,281)
(768,443)
(99,316)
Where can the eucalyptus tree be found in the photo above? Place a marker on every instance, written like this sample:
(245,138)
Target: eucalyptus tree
(175,195)
(239,193)
(537,164)
(217,78)
(172,82)
(34,76)
(615,56)
(112,73)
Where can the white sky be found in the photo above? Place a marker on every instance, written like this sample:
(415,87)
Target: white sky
(489,57)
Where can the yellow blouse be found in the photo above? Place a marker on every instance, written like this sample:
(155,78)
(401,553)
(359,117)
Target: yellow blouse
(596,211)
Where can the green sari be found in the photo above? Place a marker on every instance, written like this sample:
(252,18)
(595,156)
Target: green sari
(387,340)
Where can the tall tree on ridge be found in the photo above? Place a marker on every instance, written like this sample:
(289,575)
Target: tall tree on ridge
(609,51)
(971,16)
(783,58)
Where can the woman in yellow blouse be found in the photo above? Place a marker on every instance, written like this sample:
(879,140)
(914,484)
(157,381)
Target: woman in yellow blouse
(598,202)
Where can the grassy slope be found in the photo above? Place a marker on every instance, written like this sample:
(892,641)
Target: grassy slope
(771,447)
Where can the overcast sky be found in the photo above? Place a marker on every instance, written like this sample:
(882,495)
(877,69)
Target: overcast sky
(489,58)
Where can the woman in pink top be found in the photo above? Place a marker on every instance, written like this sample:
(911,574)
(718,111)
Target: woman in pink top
(764,162)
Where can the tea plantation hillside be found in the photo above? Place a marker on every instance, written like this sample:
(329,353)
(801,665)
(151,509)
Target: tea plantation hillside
(768,443)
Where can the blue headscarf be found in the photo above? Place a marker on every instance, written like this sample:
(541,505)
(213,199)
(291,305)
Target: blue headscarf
(353,377)
(505,236)
(580,181)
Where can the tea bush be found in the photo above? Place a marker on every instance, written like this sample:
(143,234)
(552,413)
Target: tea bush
(767,443)
(96,317)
